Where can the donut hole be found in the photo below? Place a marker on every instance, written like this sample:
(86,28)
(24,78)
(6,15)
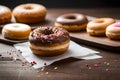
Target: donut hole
(28,7)
(71,17)
(48,32)
(100,21)
(15,26)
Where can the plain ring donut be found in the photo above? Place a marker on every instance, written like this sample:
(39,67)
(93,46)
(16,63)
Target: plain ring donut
(49,41)
(16,31)
(5,14)
(97,27)
(72,21)
(29,13)
(113,31)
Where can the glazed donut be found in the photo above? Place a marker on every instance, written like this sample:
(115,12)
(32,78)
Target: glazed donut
(5,14)
(97,27)
(49,41)
(113,31)
(29,13)
(72,21)
(16,31)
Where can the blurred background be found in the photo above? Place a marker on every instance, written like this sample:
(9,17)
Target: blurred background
(65,3)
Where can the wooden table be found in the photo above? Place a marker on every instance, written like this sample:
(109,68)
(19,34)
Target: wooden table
(106,68)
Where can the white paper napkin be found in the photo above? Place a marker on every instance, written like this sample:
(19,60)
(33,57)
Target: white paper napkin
(74,50)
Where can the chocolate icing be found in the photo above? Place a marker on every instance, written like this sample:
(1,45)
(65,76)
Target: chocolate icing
(72,18)
(48,35)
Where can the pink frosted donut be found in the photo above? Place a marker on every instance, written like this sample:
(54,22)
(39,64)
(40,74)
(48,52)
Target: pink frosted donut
(113,31)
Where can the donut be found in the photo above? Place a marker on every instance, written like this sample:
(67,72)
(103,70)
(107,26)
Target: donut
(113,31)
(16,31)
(29,13)
(5,14)
(49,41)
(72,21)
(97,27)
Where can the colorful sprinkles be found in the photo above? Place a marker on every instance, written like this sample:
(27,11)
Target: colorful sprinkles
(45,63)
(49,34)
(55,68)
(44,71)
(33,63)
(96,65)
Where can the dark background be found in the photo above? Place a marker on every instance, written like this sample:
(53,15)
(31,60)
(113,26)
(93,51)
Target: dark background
(65,3)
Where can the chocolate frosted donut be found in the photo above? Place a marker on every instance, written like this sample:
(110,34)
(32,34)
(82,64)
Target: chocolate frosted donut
(72,21)
(49,41)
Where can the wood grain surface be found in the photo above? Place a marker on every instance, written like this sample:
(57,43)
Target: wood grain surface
(100,42)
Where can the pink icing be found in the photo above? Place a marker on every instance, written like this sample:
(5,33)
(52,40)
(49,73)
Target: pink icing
(117,24)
